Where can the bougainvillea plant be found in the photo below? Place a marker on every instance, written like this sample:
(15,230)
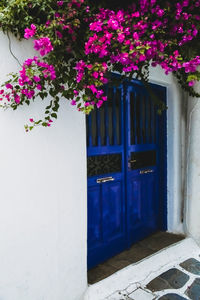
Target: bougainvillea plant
(79,44)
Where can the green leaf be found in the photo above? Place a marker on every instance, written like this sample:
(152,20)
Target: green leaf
(53,115)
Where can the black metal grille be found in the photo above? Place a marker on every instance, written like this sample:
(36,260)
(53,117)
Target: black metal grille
(143,159)
(104,164)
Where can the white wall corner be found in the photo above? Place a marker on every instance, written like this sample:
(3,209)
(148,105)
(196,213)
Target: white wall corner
(175,137)
(192,193)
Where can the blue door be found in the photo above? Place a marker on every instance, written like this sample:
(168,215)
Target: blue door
(126,170)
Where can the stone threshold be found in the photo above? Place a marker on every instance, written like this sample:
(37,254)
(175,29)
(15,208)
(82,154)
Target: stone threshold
(135,253)
(136,277)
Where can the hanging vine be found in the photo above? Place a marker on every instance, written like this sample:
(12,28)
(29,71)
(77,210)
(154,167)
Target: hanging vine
(80,44)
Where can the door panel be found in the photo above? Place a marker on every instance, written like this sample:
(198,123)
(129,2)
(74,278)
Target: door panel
(142,150)
(135,203)
(113,210)
(94,216)
(125,173)
(106,172)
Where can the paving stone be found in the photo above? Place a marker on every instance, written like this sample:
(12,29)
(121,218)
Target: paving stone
(191,265)
(158,284)
(193,292)
(172,297)
(140,294)
(118,296)
(171,279)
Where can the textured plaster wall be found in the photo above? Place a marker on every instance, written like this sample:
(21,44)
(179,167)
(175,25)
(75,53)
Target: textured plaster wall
(175,144)
(192,192)
(42,199)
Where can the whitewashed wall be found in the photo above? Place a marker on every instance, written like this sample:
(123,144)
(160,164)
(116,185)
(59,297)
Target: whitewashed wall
(192,191)
(175,143)
(42,199)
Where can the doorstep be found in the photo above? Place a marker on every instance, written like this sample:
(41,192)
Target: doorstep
(138,251)
(174,271)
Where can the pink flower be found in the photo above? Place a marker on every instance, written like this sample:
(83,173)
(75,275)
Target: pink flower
(76,92)
(93,88)
(104,80)
(136,14)
(30,32)
(39,87)
(28,62)
(60,3)
(95,75)
(99,103)
(113,24)
(135,36)
(191,83)
(160,12)
(36,78)
(7,97)
(59,34)
(30,94)
(195,32)
(121,37)
(17,99)
(43,45)
(31,120)
(73,102)
(96,26)
(47,23)
(89,66)
(9,86)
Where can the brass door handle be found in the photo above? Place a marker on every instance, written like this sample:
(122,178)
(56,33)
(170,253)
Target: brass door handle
(146,171)
(105,179)
(132,160)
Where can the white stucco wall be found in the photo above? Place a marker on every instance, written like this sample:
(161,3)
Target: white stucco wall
(42,199)
(175,142)
(192,187)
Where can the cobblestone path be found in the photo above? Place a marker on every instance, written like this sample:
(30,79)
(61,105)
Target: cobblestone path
(181,282)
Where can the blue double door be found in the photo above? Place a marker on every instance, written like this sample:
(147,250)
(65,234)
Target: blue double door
(126,159)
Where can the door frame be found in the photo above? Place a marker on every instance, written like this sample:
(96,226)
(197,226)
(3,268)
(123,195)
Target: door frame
(162,155)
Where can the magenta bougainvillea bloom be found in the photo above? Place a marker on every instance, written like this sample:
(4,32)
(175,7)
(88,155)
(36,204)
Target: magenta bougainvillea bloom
(60,3)
(9,86)
(30,32)
(80,47)
(43,45)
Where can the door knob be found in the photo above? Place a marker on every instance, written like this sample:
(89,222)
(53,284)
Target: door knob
(146,171)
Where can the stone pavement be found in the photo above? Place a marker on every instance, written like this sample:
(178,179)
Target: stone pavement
(178,283)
